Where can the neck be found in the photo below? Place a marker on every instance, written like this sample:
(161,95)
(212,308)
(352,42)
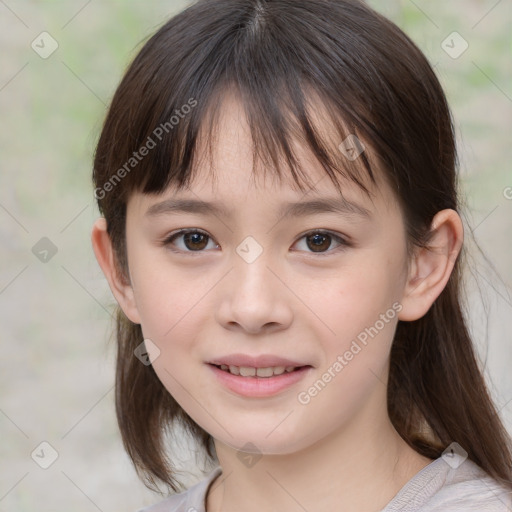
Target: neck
(359,467)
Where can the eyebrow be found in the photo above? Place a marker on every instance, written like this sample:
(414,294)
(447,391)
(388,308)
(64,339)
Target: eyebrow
(338,205)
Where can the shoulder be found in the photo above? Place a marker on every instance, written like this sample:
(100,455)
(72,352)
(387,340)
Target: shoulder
(442,488)
(191,500)
(470,488)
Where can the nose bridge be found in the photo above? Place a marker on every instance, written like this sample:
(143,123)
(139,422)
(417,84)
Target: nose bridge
(254,297)
(252,277)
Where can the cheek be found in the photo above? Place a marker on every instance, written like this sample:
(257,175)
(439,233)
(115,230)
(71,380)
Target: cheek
(173,305)
(165,296)
(360,307)
(169,304)
(357,298)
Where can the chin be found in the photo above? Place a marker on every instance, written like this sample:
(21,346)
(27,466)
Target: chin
(258,443)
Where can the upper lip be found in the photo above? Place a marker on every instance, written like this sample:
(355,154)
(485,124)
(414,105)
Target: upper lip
(261,361)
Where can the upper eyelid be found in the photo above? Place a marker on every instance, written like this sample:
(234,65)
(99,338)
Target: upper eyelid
(198,230)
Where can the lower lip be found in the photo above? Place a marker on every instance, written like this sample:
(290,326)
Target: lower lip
(259,386)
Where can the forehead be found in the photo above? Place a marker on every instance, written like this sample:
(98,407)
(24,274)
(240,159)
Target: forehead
(236,197)
(228,169)
(228,145)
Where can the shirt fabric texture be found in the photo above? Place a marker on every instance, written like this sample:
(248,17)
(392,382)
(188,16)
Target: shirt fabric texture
(438,487)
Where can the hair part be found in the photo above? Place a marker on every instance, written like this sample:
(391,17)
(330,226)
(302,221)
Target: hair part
(281,59)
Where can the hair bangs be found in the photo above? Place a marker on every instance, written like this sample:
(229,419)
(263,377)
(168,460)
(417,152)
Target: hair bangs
(280,120)
(285,102)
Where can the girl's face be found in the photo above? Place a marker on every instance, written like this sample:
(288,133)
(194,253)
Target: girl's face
(253,281)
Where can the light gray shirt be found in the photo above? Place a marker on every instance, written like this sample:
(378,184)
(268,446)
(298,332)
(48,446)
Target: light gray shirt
(438,487)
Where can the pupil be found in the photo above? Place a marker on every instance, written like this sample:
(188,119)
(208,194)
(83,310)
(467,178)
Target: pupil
(318,238)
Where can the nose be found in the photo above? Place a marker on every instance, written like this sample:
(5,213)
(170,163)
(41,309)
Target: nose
(254,299)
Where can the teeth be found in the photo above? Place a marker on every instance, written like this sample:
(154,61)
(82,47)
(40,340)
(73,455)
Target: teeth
(265,372)
(249,371)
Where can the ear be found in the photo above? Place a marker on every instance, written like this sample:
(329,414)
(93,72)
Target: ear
(431,268)
(119,285)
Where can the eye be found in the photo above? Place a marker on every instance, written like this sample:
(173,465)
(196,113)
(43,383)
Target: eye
(195,240)
(319,240)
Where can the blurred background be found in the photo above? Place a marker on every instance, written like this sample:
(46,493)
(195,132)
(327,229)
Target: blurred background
(60,65)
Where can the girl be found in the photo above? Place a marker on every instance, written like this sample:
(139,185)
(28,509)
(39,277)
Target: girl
(303,323)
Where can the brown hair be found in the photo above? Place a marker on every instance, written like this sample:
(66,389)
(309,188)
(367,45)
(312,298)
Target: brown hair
(375,83)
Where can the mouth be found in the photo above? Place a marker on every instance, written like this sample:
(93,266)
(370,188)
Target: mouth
(263,372)
(259,382)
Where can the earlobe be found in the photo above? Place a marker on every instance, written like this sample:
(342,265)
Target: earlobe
(432,266)
(104,252)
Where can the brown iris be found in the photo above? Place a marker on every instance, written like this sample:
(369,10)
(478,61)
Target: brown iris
(317,241)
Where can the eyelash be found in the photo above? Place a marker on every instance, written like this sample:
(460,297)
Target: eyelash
(342,241)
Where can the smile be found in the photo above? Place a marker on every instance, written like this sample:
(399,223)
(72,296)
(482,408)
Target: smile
(249,371)
(250,381)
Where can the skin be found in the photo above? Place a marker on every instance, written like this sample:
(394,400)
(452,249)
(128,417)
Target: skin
(293,302)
